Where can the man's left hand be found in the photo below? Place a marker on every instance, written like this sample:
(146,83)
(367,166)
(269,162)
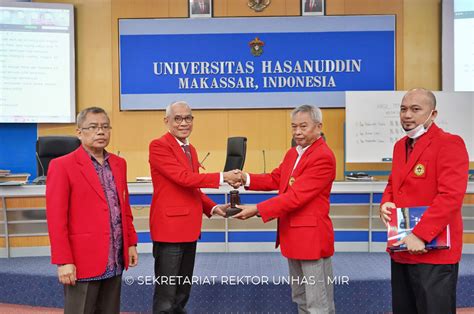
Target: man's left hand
(221,210)
(247,212)
(414,244)
(132,256)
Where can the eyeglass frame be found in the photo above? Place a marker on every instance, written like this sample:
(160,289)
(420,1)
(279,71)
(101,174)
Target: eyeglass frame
(96,128)
(180,119)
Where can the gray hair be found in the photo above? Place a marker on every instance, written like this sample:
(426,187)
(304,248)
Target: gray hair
(179,102)
(429,94)
(314,112)
(83,114)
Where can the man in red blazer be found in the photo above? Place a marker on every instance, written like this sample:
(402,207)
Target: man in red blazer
(177,207)
(305,232)
(430,168)
(89,219)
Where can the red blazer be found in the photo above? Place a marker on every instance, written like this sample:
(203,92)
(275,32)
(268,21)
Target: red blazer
(441,185)
(305,230)
(78,214)
(178,203)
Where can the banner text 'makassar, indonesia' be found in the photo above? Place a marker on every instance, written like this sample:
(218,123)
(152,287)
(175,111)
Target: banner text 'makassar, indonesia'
(241,75)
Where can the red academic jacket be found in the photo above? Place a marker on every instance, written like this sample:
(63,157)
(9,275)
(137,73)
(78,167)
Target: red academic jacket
(78,215)
(435,175)
(305,230)
(178,203)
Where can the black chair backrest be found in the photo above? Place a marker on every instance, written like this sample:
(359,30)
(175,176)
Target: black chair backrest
(236,151)
(50,147)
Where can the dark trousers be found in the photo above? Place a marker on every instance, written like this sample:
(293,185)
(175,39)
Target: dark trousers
(424,288)
(101,296)
(173,260)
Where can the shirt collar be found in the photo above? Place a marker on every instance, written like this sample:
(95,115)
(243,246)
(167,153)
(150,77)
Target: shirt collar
(301,150)
(179,142)
(106,155)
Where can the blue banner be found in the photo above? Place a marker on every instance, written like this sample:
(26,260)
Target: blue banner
(206,68)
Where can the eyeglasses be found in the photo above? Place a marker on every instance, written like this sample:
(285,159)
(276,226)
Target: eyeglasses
(179,119)
(94,128)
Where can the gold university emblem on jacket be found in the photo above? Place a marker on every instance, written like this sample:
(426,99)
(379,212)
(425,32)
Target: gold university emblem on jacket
(291,181)
(419,170)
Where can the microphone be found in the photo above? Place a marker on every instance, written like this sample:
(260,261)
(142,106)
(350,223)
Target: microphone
(40,163)
(202,161)
(42,178)
(264,162)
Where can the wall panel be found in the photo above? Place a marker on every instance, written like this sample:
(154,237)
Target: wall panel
(418,60)
(422,49)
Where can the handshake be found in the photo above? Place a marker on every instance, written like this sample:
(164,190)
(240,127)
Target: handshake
(235,178)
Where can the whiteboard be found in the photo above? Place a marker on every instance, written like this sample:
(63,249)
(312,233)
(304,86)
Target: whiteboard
(373,122)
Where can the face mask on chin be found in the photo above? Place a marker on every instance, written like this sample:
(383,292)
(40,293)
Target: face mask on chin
(419,130)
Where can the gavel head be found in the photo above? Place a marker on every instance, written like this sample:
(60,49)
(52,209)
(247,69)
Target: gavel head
(234,198)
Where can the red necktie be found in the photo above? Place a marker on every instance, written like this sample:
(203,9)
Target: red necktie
(409,147)
(187,151)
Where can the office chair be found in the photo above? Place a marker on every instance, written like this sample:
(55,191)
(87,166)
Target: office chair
(50,147)
(236,151)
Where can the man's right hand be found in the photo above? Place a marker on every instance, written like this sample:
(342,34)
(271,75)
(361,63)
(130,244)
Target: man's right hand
(233,178)
(385,212)
(67,274)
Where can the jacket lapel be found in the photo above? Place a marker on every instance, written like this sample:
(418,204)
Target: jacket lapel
(114,163)
(287,168)
(420,146)
(88,171)
(399,162)
(194,156)
(178,151)
(301,164)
